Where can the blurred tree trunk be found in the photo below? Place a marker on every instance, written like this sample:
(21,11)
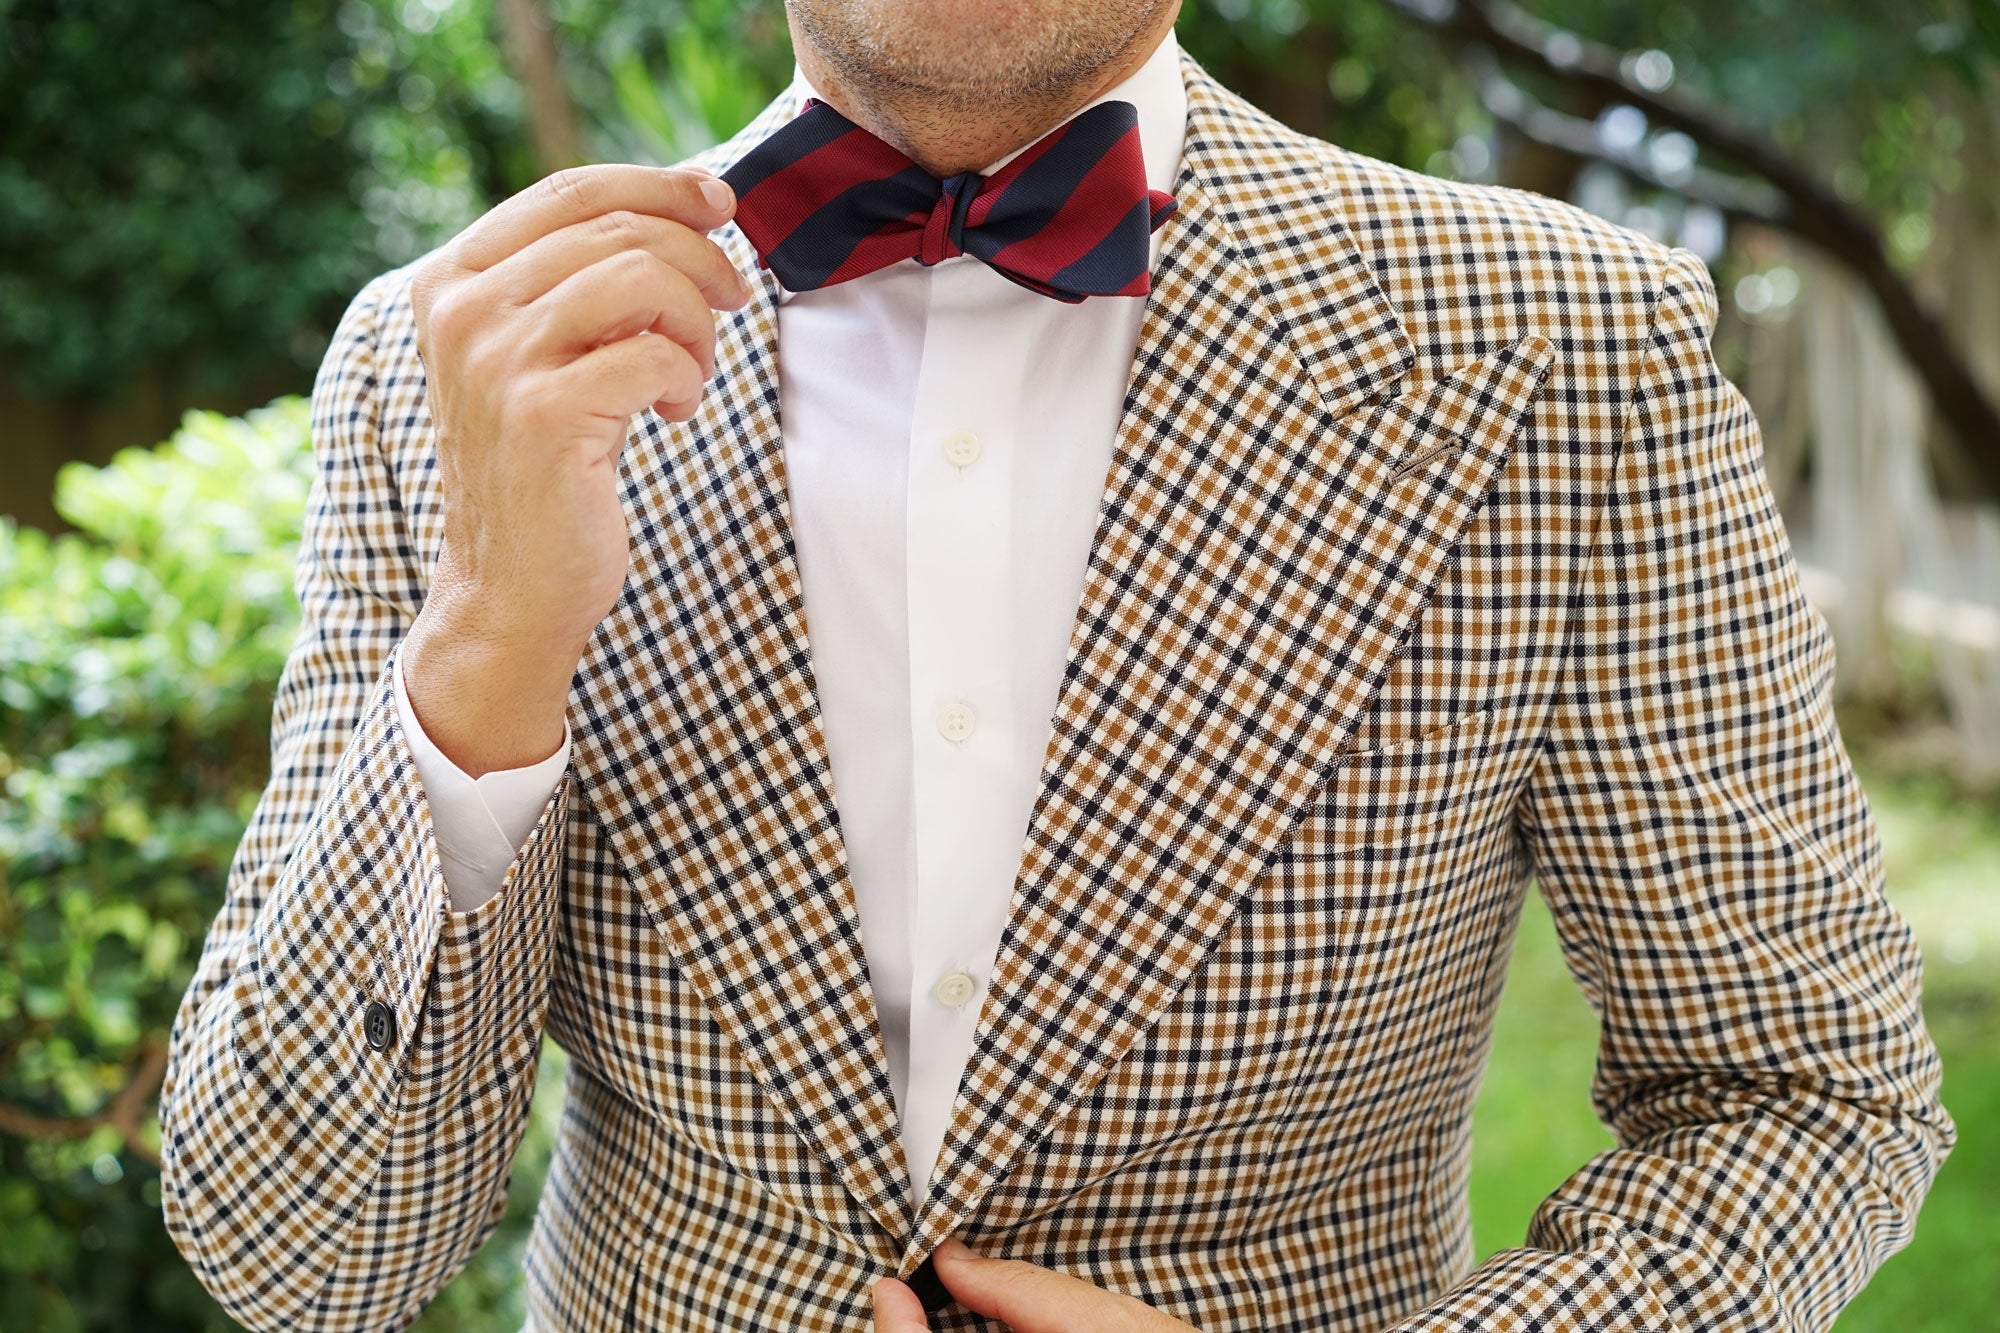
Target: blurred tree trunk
(529,39)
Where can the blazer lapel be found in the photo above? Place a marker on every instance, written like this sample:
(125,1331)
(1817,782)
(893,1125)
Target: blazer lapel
(1274,520)
(697,734)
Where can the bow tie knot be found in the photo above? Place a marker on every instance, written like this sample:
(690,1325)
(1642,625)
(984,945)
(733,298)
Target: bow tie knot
(944,229)
(1070,216)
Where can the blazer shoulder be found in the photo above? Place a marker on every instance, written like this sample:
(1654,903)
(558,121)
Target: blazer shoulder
(1469,267)
(1406,204)
(1463,265)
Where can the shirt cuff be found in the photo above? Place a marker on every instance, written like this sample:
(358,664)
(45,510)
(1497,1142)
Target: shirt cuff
(479,823)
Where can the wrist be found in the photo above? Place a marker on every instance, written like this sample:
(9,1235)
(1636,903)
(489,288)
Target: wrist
(488,695)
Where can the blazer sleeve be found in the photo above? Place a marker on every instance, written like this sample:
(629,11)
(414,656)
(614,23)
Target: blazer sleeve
(1716,880)
(322,1169)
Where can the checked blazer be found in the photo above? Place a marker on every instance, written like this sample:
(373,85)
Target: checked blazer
(1436,560)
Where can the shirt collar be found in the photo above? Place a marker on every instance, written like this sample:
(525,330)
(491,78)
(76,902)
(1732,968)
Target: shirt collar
(1154,89)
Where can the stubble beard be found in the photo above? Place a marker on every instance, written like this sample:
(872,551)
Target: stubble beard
(1013,74)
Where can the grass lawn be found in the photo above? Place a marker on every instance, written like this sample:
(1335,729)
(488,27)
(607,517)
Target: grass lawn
(1533,1125)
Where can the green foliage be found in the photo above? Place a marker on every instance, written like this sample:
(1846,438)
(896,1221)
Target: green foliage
(200,187)
(1347,70)
(661,82)
(197,189)
(1878,98)
(1943,852)
(1888,101)
(137,662)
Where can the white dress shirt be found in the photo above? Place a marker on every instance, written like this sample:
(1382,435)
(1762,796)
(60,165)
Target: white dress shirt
(947,436)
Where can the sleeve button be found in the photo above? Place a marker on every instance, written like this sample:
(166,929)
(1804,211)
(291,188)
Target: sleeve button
(378,1024)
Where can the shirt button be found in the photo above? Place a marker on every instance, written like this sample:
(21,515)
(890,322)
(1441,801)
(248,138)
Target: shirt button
(954,989)
(955,722)
(378,1025)
(961,448)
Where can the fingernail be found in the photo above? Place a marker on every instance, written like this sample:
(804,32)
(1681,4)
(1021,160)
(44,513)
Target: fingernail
(718,194)
(955,1245)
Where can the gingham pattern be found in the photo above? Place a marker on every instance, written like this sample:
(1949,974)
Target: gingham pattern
(1435,552)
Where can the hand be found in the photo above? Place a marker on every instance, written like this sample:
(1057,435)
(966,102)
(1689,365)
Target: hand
(1024,1296)
(543,327)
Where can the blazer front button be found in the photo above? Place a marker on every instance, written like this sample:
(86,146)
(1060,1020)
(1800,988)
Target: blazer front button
(378,1024)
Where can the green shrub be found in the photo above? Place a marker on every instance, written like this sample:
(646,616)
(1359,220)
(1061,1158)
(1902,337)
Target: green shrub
(198,188)
(137,662)
(138,657)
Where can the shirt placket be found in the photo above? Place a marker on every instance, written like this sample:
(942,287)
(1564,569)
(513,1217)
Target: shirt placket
(959,569)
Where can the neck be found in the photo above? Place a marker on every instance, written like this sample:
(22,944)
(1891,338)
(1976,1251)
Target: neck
(946,136)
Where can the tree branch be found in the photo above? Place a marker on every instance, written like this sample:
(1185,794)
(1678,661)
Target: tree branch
(1810,210)
(125,1112)
(1508,103)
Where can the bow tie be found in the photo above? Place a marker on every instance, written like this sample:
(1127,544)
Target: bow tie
(823,201)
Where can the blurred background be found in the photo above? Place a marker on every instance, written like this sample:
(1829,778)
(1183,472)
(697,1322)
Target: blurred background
(191,191)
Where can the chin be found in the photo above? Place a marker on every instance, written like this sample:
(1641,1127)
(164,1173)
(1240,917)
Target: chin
(991,47)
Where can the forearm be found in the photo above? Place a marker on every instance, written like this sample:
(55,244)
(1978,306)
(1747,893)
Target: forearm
(1765,1210)
(314,1180)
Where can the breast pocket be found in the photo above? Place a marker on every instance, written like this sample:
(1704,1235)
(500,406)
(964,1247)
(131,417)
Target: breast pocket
(1408,791)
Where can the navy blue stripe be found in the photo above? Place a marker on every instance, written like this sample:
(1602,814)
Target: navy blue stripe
(1114,261)
(819,245)
(808,132)
(1040,288)
(963,189)
(1033,197)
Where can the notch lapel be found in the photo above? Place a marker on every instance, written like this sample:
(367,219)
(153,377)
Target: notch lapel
(1263,547)
(697,734)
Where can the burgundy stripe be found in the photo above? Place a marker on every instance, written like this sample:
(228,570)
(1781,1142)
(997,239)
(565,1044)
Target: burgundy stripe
(1066,217)
(889,244)
(1115,262)
(996,185)
(781,201)
(815,124)
(1092,211)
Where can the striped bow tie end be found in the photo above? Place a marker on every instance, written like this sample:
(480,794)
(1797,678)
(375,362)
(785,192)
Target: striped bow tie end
(825,201)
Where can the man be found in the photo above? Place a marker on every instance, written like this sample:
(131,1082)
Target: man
(1234,567)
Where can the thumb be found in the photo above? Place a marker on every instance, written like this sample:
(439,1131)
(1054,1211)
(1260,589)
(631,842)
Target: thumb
(897,1309)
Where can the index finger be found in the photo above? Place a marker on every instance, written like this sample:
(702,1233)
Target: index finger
(683,194)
